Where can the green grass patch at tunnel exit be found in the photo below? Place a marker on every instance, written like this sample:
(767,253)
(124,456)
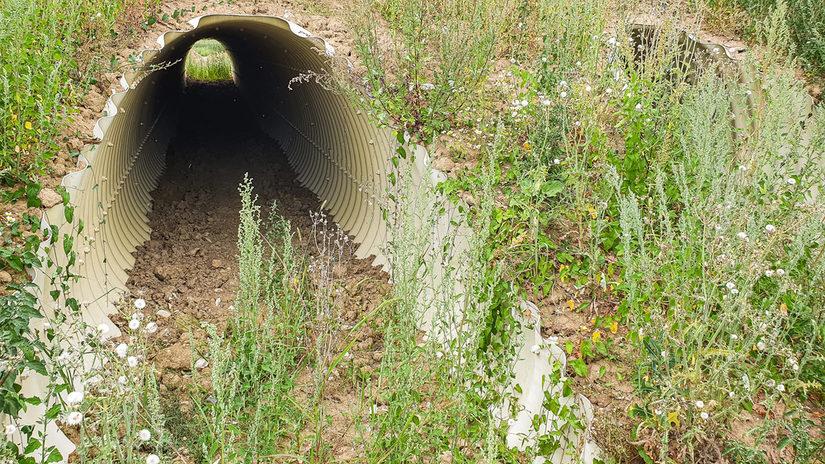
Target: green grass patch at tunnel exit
(208,60)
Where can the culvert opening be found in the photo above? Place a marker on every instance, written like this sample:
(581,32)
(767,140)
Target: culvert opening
(189,263)
(208,61)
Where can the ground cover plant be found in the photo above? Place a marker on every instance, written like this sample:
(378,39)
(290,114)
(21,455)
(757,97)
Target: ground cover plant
(675,217)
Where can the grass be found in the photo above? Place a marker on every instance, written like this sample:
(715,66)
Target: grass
(805,21)
(209,61)
(43,73)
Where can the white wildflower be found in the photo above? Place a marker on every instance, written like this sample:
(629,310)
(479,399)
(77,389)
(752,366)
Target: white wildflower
(770,228)
(771,383)
(134,324)
(780,387)
(563,95)
(74,397)
(780,272)
(427,86)
(103,329)
(760,346)
(768,272)
(144,435)
(704,415)
(10,429)
(535,349)
(700,404)
(791,181)
(587,88)
(132,361)
(730,285)
(151,327)
(152,459)
(140,303)
(74,418)
(201,363)
(742,235)
(121,350)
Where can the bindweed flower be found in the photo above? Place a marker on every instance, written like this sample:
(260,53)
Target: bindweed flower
(121,350)
(760,346)
(770,228)
(140,303)
(563,95)
(769,273)
(704,415)
(730,285)
(134,324)
(103,329)
(74,418)
(734,291)
(144,435)
(742,235)
(771,383)
(10,429)
(535,349)
(700,404)
(122,380)
(780,272)
(152,459)
(791,181)
(132,361)
(780,388)
(587,88)
(74,397)
(151,328)
(556,161)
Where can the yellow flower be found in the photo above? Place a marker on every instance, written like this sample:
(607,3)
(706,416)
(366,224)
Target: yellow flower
(571,304)
(614,327)
(28,125)
(597,336)
(14,117)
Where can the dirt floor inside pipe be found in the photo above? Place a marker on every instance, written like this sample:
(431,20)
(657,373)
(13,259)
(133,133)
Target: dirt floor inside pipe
(188,271)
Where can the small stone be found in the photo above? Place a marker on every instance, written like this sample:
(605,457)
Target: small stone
(162,273)
(194,252)
(5,277)
(216,263)
(163,313)
(48,197)
(171,380)
(377,356)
